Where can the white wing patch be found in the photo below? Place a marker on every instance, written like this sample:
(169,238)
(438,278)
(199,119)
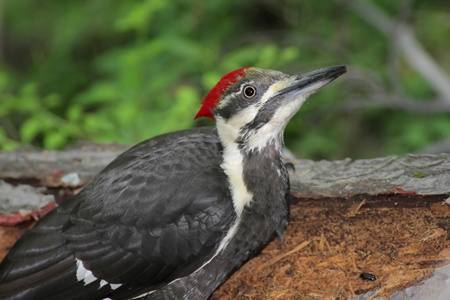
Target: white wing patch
(115,286)
(82,272)
(88,277)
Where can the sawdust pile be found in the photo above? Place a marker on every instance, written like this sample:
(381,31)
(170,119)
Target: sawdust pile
(330,242)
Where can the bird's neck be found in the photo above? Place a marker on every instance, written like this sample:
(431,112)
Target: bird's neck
(251,140)
(236,157)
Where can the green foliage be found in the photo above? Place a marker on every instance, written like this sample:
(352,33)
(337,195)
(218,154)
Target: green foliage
(37,118)
(419,175)
(125,71)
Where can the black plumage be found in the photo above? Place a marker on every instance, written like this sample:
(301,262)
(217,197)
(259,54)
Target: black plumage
(156,213)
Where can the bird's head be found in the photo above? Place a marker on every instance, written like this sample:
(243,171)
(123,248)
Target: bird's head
(251,106)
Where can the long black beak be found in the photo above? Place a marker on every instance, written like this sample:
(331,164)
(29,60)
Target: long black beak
(309,82)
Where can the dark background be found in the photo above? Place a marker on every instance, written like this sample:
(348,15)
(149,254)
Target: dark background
(125,71)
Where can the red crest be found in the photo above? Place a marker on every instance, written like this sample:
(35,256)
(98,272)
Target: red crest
(212,99)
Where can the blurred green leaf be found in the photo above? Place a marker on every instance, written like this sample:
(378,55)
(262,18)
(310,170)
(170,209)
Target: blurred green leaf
(125,71)
(31,128)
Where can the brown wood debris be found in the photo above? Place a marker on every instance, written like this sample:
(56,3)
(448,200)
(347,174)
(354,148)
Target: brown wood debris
(401,240)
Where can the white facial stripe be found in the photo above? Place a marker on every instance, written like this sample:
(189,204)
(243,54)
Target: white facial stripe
(243,117)
(247,114)
(273,89)
(230,129)
(280,85)
(275,127)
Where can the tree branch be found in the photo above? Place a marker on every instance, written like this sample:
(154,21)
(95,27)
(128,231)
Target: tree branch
(375,95)
(404,37)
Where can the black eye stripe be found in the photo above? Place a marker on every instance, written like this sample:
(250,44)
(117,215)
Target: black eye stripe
(237,100)
(249,91)
(264,115)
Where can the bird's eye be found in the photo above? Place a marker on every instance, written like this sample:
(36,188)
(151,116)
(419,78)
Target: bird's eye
(249,91)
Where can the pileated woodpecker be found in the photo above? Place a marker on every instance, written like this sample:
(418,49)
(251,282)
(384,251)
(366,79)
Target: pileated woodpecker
(174,216)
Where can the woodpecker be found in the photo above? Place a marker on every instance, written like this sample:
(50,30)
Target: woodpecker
(174,216)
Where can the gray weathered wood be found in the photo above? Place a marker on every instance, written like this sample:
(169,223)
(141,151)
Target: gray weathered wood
(421,174)
(412,174)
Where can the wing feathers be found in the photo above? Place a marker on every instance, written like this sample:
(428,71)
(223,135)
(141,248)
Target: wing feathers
(157,212)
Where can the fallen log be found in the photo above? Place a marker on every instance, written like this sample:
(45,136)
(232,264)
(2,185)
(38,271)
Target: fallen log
(358,228)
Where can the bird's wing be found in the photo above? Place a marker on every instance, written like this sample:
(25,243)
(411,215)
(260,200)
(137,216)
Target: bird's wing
(38,262)
(156,213)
